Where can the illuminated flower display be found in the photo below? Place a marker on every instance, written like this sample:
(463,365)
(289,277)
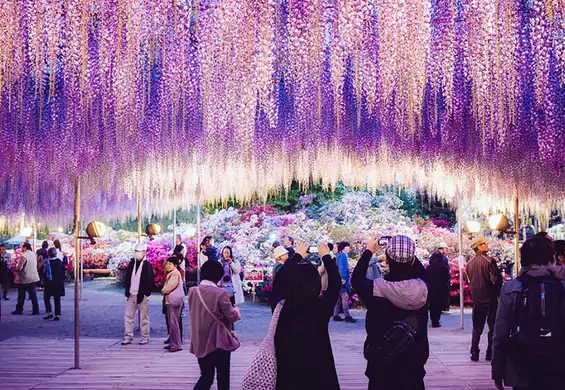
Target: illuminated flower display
(215,99)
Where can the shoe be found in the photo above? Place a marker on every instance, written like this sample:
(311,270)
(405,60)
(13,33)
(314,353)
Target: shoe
(143,342)
(167,347)
(338,318)
(126,342)
(57,318)
(350,319)
(488,356)
(48,317)
(35,313)
(17,313)
(174,349)
(167,341)
(475,357)
(438,325)
(6,298)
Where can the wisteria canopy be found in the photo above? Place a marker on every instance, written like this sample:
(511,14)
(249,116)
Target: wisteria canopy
(213,99)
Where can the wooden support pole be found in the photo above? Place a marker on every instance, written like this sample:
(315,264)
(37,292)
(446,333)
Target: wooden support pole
(516,236)
(77,274)
(461,259)
(139,218)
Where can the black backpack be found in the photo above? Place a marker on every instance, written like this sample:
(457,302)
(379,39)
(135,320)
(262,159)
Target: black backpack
(540,318)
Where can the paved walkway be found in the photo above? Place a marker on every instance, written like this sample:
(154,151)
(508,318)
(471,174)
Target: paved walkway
(37,354)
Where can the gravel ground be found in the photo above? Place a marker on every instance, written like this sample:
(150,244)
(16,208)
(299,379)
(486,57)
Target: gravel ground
(103,305)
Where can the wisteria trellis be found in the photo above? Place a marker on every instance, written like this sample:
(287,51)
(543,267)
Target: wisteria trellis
(458,96)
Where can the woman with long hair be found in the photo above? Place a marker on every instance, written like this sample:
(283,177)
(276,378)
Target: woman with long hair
(231,281)
(302,328)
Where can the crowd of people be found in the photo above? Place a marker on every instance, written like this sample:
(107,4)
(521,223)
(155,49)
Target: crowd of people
(525,315)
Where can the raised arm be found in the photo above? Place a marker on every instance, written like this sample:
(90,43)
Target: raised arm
(362,285)
(330,296)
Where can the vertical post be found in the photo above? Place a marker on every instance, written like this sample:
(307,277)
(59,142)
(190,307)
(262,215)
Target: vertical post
(461,258)
(174,227)
(516,237)
(81,271)
(199,241)
(77,276)
(139,218)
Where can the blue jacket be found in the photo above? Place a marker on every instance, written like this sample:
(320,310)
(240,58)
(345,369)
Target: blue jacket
(343,265)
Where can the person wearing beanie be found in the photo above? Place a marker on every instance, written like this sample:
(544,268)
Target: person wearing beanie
(139,281)
(486,281)
(397,346)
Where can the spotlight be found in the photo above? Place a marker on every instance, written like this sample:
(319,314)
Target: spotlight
(94,230)
(190,231)
(26,232)
(472,227)
(152,230)
(499,222)
(60,229)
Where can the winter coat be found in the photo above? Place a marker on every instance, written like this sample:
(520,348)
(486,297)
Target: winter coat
(145,284)
(235,267)
(505,365)
(26,269)
(438,284)
(56,286)
(388,301)
(485,278)
(343,265)
(302,343)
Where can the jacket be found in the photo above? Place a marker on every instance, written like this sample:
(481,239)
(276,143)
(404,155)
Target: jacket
(303,332)
(343,265)
(56,286)
(235,267)
(26,269)
(171,283)
(146,283)
(504,366)
(5,262)
(388,301)
(438,283)
(208,335)
(485,278)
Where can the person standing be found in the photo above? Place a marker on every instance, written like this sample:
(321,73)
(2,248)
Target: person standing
(322,269)
(288,244)
(26,279)
(342,261)
(486,281)
(231,281)
(279,281)
(212,315)
(139,281)
(54,284)
(302,329)
(529,331)
(173,293)
(5,273)
(42,255)
(438,287)
(397,346)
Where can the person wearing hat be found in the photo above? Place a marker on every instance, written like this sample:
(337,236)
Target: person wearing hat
(281,255)
(139,281)
(486,281)
(396,305)
(441,250)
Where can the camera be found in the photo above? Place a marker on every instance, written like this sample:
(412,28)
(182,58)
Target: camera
(384,240)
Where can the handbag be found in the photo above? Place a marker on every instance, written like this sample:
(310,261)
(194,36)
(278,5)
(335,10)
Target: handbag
(395,343)
(234,341)
(262,373)
(176,297)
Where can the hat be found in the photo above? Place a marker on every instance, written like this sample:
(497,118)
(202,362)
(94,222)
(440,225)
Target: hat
(478,241)
(280,251)
(401,249)
(140,247)
(442,245)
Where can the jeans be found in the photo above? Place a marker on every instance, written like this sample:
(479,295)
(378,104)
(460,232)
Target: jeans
(217,361)
(30,288)
(47,301)
(483,311)
(343,302)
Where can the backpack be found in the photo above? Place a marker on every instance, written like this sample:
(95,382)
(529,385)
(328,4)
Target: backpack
(540,318)
(397,341)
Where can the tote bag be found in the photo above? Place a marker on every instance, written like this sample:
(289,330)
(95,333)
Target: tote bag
(176,297)
(262,373)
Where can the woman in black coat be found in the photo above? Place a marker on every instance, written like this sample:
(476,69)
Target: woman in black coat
(438,287)
(54,284)
(302,342)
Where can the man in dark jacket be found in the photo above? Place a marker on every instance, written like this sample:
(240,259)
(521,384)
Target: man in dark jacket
(400,296)
(486,282)
(139,282)
(438,287)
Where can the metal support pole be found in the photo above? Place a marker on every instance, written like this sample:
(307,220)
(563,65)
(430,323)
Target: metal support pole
(81,271)
(139,218)
(516,237)
(199,241)
(461,258)
(77,276)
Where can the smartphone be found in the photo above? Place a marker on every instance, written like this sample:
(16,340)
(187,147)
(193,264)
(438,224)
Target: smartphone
(384,240)
(313,249)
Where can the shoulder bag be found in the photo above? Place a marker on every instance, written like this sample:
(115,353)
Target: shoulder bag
(234,341)
(262,373)
(176,297)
